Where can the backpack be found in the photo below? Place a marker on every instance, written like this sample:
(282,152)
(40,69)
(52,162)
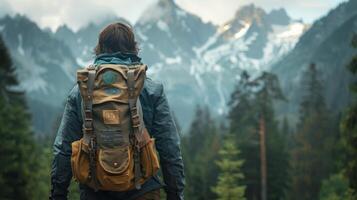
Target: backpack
(116,152)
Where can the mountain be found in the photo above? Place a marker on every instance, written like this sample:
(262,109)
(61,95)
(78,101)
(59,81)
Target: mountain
(45,67)
(84,40)
(169,37)
(327,44)
(260,35)
(198,62)
(208,59)
(167,32)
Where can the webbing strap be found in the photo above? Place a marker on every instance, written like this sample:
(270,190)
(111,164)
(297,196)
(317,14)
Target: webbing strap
(88,104)
(88,126)
(135,126)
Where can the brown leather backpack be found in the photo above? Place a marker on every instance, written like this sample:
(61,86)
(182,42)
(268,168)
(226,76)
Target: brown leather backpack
(116,152)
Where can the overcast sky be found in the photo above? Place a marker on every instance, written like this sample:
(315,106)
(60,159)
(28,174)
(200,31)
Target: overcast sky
(77,13)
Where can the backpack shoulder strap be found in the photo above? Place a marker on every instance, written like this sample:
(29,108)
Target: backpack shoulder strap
(85,80)
(135,121)
(86,90)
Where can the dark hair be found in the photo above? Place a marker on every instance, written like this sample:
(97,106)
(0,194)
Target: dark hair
(117,37)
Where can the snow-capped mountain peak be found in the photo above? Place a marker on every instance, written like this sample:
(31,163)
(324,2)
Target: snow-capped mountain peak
(209,61)
(197,61)
(249,13)
(164,9)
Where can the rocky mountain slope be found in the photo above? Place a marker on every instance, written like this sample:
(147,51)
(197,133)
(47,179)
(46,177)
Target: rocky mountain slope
(198,62)
(44,66)
(208,67)
(327,44)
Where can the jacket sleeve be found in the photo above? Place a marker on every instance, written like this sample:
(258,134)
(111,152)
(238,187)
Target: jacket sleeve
(168,147)
(69,131)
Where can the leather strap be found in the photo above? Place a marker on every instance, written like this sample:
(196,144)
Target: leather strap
(135,120)
(88,126)
(88,104)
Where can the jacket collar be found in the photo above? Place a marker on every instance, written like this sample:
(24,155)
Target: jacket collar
(117,58)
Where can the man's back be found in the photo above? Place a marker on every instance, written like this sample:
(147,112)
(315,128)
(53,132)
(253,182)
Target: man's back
(159,123)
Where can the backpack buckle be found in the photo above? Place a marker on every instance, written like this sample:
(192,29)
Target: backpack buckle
(136,120)
(87,114)
(87,130)
(88,123)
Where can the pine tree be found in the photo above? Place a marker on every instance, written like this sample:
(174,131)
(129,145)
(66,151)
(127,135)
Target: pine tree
(16,144)
(252,100)
(287,132)
(349,130)
(200,148)
(335,188)
(314,140)
(230,177)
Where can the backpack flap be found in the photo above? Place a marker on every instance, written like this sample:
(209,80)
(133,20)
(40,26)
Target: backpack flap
(115,160)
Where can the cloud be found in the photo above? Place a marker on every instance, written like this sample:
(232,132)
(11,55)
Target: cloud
(221,11)
(77,13)
(5,8)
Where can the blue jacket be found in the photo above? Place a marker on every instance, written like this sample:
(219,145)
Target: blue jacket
(158,121)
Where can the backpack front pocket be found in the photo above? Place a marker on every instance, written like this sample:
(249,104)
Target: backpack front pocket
(115,170)
(80,161)
(149,160)
(116,160)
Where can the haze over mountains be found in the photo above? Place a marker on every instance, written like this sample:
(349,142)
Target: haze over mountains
(198,62)
(328,45)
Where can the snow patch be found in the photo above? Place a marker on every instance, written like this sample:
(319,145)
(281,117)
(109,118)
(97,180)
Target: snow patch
(181,13)
(83,63)
(163,26)
(233,59)
(224,28)
(85,51)
(205,46)
(20,48)
(176,60)
(155,69)
(217,68)
(223,102)
(151,46)
(242,31)
(280,41)
(31,75)
(69,68)
(141,35)
(202,87)
(294,30)
(183,23)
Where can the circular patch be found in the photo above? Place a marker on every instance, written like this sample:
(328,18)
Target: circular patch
(109,77)
(112,91)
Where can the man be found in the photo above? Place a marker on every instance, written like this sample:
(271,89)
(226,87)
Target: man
(117,45)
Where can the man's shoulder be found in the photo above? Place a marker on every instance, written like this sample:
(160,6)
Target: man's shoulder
(74,94)
(152,87)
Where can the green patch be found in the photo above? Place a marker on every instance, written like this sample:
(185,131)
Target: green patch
(109,77)
(112,91)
